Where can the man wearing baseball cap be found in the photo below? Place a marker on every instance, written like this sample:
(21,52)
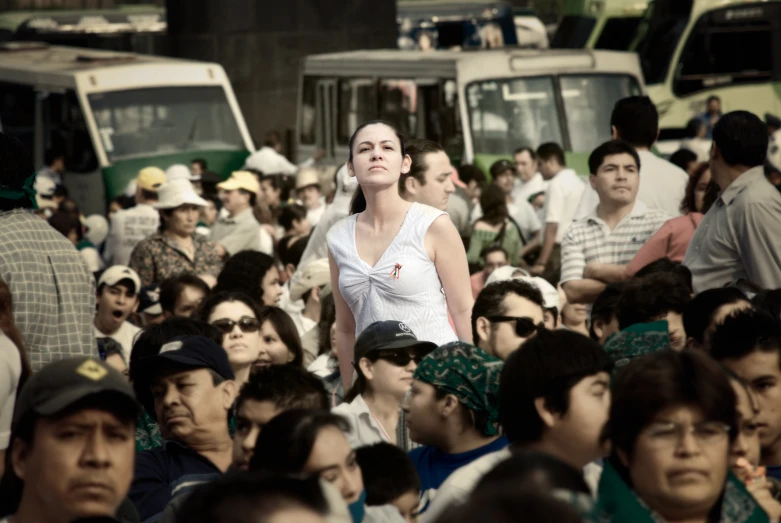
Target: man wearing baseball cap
(117,299)
(309,192)
(72,448)
(386,355)
(130,226)
(239,231)
(192,392)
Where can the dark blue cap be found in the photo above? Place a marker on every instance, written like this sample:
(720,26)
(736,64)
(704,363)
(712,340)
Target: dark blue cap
(190,352)
(150,300)
(388,335)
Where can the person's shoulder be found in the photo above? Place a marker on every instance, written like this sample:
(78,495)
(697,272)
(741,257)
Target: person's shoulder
(659,215)
(340,227)
(419,454)
(150,460)
(479,467)
(651,161)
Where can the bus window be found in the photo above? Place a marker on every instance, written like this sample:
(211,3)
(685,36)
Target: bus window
(588,105)
(716,52)
(666,24)
(398,105)
(17,114)
(439,117)
(162,120)
(357,103)
(618,33)
(505,114)
(65,130)
(306,127)
(573,32)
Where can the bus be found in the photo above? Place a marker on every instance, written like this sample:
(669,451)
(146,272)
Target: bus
(599,24)
(480,105)
(113,114)
(693,49)
(128,28)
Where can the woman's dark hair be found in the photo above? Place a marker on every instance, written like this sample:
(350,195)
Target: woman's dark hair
(251,498)
(507,505)
(69,207)
(361,383)
(282,183)
(661,380)
(172,287)
(285,443)
(769,302)
(667,266)
(9,328)
(211,302)
(244,272)
(605,306)
(15,167)
(494,204)
(388,473)
(327,319)
(65,223)
(649,298)
(699,314)
(291,213)
(286,330)
(711,193)
(532,470)
(358,203)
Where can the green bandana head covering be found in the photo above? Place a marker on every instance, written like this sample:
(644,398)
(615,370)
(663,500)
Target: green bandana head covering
(469,374)
(637,340)
(26,191)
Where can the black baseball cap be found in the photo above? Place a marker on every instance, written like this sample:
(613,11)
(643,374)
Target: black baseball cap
(500,166)
(63,383)
(187,352)
(388,335)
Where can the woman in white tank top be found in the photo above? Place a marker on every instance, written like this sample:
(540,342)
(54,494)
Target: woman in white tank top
(395,260)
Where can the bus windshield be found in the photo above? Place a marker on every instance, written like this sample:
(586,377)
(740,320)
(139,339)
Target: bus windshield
(505,114)
(662,30)
(164,120)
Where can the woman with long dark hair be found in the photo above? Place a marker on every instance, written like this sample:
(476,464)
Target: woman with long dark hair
(392,259)
(495,227)
(14,368)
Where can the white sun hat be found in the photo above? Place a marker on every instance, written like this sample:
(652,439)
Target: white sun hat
(174,193)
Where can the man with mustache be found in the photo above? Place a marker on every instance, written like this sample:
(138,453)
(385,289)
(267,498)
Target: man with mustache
(193,390)
(597,248)
(72,449)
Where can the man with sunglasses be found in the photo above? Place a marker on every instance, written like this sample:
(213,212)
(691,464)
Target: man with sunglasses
(506,314)
(386,355)
(193,390)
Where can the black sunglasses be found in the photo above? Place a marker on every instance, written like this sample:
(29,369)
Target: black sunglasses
(402,357)
(524,327)
(246,324)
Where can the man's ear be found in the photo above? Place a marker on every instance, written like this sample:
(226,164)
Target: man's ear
(547,417)
(18,459)
(614,133)
(592,179)
(483,328)
(449,405)
(229,392)
(411,185)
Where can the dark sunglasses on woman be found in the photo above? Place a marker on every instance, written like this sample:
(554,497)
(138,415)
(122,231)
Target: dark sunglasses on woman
(524,327)
(246,324)
(402,357)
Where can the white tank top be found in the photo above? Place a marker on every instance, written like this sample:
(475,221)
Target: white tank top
(412,294)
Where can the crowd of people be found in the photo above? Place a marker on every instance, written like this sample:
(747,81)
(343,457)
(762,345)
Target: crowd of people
(399,340)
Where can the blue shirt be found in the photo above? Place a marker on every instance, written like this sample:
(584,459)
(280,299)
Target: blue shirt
(774,472)
(434,466)
(163,473)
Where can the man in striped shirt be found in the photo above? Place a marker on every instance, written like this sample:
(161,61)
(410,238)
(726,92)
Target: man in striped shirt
(597,247)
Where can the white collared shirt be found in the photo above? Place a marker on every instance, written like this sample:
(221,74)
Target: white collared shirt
(364,428)
(525,190)
(591,240)
(561,200)
(662,186)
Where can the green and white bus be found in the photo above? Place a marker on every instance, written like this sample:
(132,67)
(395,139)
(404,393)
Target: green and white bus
(599,24)
(693,49)
(113,114)
(481,105)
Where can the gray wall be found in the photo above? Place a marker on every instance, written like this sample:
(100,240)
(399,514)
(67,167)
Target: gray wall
(260,44)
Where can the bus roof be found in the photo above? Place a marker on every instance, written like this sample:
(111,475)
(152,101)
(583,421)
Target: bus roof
(427,64)
(11,20)
(36,63)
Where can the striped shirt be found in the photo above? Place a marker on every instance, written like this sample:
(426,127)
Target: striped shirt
(591,240)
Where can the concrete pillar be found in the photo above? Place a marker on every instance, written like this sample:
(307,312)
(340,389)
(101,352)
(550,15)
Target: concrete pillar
(260,43)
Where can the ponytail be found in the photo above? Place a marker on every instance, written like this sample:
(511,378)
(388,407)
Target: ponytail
(358,203)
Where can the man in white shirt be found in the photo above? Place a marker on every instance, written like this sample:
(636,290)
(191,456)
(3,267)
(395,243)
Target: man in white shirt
(554,397)
(503,176)
(312,287)
(117,299)
(565,189)
(597,248)
(662,184)
(130,226)
(239,230)
(529,181)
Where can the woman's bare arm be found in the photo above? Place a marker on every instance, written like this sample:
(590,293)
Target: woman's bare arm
(345,328)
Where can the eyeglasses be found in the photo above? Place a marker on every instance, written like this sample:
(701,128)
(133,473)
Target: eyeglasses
(401,358)
(669,434)
(524,327)
(246,324)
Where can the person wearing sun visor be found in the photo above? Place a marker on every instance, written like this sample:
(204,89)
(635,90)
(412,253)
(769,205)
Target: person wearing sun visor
(117,298)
